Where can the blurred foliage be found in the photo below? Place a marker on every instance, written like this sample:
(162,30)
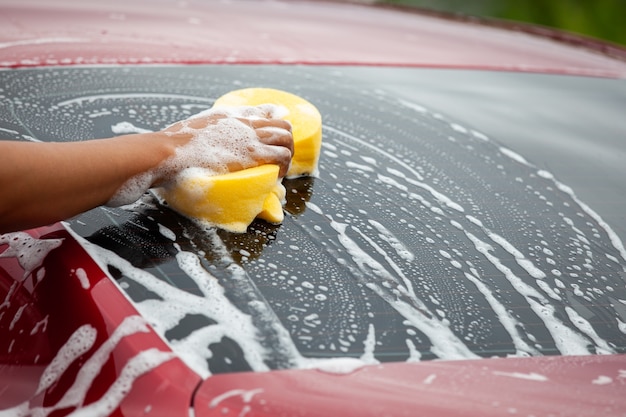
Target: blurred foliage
(604,19)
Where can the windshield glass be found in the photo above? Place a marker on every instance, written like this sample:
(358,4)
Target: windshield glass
(422,237)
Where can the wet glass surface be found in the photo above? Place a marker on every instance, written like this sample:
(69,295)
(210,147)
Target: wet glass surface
(421,238)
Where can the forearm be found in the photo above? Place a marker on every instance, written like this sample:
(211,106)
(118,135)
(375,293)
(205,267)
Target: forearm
(45,182)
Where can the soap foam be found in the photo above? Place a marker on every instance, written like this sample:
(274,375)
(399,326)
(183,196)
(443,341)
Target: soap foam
(76,347)
(29,251)
(228,143)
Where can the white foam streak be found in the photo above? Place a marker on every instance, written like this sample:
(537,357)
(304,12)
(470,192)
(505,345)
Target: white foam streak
(532,376)
(437,195)
(521,260)
(126,128)
(615,240)
(567,341)
(140,364)
(79,342)
(77,345)
(246,396)
(142,96)
(405,286)
(345,365)
(30,252)
(82,278)
(75,396)
(585,327)
(236,325)
(510,323)
(515,156)
(393,241)
(446,344)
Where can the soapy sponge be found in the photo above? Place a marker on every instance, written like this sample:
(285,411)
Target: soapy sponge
(232,201)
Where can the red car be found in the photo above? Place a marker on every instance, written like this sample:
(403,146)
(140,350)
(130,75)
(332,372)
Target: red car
(459,253)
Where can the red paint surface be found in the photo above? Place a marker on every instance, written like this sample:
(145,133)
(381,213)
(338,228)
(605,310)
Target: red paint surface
(65,32)
(543,386)
(166,390)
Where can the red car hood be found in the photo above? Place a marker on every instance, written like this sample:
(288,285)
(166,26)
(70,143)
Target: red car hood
(74,339)
(143,32)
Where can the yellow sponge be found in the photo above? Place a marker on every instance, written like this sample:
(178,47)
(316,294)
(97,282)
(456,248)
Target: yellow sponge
(305,119)
(232,201)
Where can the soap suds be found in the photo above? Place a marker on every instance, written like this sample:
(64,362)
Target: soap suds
(228,141)
(74,349)
(29,251)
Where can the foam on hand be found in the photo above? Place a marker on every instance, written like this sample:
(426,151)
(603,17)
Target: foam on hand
(215,146)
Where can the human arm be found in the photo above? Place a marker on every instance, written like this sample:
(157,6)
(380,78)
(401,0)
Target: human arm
(45,182)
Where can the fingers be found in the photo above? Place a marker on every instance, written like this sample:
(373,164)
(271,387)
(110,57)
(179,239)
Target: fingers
(279,123)
(243,136)
(275,133)
(275,137)
(283,159)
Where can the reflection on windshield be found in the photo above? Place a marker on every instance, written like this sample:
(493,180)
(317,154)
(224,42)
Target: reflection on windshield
(421,238)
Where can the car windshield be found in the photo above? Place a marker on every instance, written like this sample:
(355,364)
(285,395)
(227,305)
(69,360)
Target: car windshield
(422,237)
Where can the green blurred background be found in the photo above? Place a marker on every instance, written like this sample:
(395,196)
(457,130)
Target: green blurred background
(604,19)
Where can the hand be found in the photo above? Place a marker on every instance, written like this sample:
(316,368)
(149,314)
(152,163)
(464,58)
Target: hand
(223,140)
